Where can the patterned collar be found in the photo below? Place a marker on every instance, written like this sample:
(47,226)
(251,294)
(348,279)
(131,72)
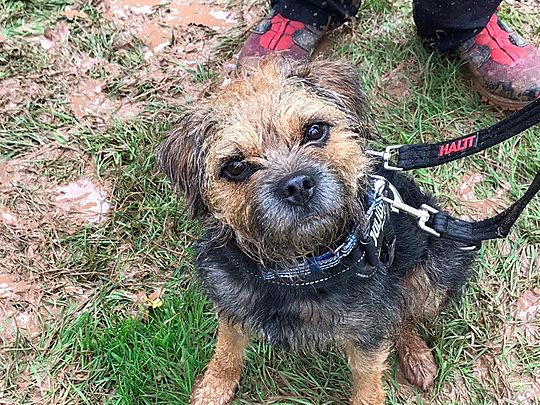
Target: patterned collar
(357,255)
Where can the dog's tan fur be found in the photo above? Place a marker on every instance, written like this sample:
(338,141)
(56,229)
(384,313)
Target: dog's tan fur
(222,375)
(366,374)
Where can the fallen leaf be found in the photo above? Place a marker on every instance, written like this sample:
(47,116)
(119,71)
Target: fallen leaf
(477,208)
(528,305)
(527,310)
(51,38)
(85,198)
(154,300)
(71,14)
(395,83)
(9,286)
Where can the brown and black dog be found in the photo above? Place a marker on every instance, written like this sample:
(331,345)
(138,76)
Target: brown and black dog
(275,166)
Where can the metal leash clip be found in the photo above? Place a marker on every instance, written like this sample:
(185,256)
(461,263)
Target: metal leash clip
(423,213)
(386,156)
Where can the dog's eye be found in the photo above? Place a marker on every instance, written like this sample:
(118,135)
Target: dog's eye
(237,170)
(317,132)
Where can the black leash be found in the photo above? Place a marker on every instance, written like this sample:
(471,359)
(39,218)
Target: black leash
(440,223)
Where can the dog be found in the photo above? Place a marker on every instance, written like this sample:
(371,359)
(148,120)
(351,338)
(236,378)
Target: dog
(275,166)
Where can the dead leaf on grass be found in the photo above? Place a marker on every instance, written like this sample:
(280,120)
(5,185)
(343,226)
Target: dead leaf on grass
(528,305)
(52,38)
(527,312)
(8,286)
(395,84)
(72,14)
(84,198)
(477,208)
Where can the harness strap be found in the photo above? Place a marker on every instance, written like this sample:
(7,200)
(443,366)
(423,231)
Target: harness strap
(491,228)
(427,155)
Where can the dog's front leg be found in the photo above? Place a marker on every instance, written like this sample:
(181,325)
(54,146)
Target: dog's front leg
(366,373)
(222,375)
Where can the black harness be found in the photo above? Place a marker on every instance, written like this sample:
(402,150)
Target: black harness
(369,248)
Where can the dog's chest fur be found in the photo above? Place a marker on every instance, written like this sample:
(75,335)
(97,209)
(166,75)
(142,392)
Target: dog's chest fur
(365,311)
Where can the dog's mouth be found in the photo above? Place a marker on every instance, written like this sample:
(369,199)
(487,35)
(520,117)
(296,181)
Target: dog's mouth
(290,234)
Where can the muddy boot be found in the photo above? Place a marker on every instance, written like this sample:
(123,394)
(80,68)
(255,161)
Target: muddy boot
(292,39)
(505,68)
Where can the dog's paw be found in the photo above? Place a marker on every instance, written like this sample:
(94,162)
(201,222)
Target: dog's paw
(416,362)
(209,390)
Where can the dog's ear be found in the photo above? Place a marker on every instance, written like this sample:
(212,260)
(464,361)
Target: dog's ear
(338,81)
(181,157)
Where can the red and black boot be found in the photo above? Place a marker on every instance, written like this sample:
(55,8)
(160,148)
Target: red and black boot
(292,39)
(505,68)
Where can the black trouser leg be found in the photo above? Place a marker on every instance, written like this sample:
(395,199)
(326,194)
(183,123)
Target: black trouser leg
(445,24)
(441,24)
(319,13)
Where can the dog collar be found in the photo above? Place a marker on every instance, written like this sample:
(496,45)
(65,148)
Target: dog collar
(362,252)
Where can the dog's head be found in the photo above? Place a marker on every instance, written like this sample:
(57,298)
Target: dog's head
(276,159)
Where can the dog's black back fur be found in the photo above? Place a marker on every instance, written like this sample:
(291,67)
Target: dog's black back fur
(365,311)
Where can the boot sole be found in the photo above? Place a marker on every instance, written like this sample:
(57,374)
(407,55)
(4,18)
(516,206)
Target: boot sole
(495,100)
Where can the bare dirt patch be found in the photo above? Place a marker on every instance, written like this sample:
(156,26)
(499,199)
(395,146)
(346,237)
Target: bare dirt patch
(16,91)
(32,211)
(90,101)
(34,292)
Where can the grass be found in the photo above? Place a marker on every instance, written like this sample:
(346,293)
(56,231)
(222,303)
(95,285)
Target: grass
(105,346)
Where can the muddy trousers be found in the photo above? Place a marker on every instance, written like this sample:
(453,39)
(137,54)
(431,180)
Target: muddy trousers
(441,24)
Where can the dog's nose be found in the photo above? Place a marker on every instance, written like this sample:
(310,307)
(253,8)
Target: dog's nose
(297,188)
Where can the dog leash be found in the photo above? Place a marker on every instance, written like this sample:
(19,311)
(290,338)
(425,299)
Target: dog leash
(441,223)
